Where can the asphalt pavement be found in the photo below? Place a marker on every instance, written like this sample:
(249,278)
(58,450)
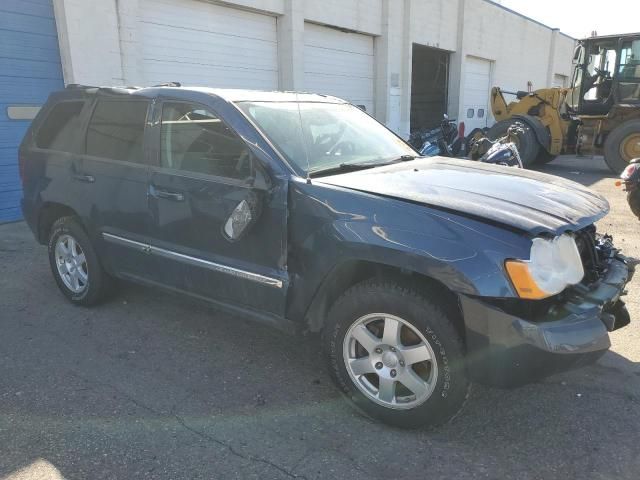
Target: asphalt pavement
(151,385)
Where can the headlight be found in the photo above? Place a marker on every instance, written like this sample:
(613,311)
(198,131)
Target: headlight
(553,265)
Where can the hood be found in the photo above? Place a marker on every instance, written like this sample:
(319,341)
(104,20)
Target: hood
(526,200)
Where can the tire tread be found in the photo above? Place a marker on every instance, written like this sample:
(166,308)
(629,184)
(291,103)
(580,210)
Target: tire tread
(407,293)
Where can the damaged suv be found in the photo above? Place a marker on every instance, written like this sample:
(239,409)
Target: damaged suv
(302,211)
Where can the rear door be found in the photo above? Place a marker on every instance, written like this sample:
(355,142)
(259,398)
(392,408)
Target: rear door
(218,219)
(114,174)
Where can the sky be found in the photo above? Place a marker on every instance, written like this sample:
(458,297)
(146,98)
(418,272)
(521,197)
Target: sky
(579,18)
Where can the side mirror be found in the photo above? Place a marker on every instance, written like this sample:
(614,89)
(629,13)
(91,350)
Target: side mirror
(243,216)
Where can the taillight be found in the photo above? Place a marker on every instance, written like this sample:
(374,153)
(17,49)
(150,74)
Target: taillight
(461,128)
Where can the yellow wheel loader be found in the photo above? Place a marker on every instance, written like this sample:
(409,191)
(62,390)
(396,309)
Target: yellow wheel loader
(598,115)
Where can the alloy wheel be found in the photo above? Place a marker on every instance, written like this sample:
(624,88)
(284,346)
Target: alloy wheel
(71,263)
(390,361)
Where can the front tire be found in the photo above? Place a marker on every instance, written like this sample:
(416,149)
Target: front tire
(75,264)
(545,157)
(396,355)
(622,145)
(527,143)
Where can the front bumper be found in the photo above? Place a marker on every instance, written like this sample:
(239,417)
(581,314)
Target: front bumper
(505,350)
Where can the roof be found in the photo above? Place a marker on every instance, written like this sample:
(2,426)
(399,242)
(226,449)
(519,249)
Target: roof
(228,94)
(613,37)
(236,95)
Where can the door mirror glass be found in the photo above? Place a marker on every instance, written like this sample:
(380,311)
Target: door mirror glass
(245,214)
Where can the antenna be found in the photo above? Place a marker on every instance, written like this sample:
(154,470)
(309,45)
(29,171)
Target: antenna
(304,140)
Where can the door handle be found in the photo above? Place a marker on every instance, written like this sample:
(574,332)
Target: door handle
(166,194)
(84,178)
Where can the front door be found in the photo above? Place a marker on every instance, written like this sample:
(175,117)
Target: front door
(218,220)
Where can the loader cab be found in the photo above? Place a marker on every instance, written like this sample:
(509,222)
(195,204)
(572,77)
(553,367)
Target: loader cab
(606,73)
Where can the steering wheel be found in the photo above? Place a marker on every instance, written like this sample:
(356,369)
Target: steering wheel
(601,73)
(326,139)
(343,148)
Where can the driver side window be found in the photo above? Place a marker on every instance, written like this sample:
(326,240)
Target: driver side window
(194,139)
(630,72)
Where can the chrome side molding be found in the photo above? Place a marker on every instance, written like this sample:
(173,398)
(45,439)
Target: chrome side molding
(198,262)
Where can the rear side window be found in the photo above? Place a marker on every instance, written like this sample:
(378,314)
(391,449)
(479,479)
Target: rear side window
(116,130)
(60,127)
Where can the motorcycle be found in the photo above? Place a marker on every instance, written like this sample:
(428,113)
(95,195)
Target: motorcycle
(445,141)
(630,178)
(449,141)
(503,151)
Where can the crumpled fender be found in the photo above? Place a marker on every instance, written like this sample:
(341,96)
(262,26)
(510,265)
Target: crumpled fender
(332,226)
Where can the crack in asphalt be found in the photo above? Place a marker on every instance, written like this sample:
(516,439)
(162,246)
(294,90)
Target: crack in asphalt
(235,452)
(182,422)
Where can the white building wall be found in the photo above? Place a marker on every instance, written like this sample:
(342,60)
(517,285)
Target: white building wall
(100,43)
(363,16)
(89,41)
(434,23)
(565,47)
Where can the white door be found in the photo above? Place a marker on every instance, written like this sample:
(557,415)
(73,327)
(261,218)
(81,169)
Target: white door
(199,43)
(477,88)
(340,64)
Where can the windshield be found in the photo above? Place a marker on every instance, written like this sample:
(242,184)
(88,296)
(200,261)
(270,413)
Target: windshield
(334,134)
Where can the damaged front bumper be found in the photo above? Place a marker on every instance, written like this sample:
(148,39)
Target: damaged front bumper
(506,350)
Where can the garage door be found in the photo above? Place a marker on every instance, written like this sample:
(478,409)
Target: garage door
(477,87)
(198,43)
(339,63)
(29,70)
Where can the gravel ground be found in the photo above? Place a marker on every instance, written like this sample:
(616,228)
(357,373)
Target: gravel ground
(154,386)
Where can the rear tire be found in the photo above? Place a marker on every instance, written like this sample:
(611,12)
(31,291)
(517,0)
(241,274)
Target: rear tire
(633,199)
(400,386)
(75,264)
(545,157)
(527,144)
(622,145)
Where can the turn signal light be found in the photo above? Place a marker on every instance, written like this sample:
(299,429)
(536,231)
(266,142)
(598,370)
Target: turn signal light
(523,282)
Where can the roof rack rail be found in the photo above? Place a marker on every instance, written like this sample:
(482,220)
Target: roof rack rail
(169,84)
(85,87)
(78,85)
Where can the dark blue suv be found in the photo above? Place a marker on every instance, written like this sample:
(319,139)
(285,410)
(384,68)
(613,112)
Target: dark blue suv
(302,211)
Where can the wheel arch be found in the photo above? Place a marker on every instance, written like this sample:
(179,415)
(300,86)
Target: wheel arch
(349,273)
(540,131)
(50,212)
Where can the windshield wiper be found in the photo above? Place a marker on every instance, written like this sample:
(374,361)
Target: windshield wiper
(347,167)
(353,167)
(404,158)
